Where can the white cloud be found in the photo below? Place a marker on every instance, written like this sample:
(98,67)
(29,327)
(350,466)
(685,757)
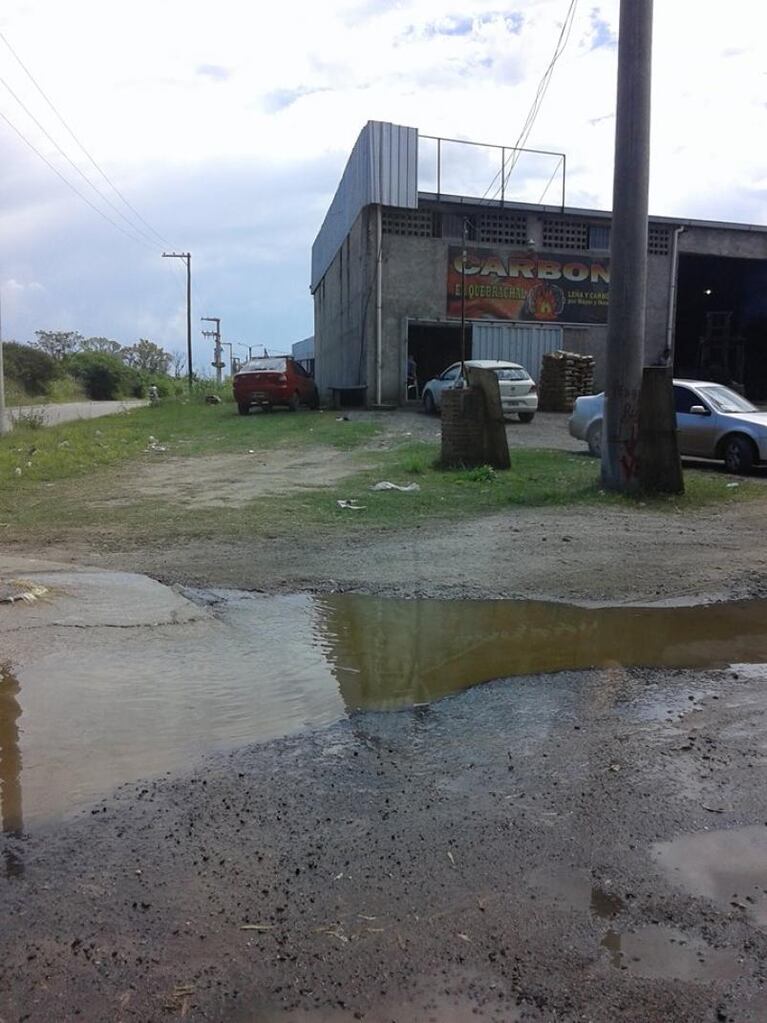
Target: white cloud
(229,133)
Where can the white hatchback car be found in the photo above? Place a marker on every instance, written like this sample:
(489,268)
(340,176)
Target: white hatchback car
(519,393)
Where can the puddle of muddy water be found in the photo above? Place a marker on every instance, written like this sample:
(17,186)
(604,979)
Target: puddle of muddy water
(727,866)
(389,653)
(664,953)
(85,709)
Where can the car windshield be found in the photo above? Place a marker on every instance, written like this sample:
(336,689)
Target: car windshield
(725,400)
(511,373)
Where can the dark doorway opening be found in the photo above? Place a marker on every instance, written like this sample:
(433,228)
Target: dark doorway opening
(433,347)
(721,322)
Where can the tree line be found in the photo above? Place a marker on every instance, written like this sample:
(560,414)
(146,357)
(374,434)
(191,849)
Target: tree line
(144,355)
(63,362)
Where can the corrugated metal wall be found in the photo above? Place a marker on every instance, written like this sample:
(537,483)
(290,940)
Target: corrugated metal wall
(512,342)
(382,168)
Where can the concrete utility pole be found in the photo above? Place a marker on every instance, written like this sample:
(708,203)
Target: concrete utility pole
(2,382)
(217,363)
(463,293)
(628,249)
(186,257)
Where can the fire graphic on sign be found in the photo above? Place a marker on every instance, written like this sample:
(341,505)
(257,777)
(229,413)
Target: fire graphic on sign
(545,302)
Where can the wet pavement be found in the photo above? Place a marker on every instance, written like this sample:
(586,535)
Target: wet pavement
(509,852)
(135,679)
(585,842)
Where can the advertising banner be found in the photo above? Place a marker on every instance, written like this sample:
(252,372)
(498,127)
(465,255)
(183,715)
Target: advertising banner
(555,288)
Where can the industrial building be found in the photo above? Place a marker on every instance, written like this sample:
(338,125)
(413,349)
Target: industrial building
(396,265)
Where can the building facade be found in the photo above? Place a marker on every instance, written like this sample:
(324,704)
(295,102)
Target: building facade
(396,270)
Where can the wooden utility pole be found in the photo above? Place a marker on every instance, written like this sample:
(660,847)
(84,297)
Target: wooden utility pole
(628,249)
(187,258)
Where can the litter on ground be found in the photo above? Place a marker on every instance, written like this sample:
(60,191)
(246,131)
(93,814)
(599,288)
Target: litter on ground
(410,488)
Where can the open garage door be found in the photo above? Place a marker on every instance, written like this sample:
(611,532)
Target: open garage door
(512,342)
(721,322)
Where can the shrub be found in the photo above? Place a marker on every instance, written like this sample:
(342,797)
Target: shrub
(482,474)
(105,377)
(31,370)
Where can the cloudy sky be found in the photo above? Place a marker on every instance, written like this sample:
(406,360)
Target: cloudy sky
(227,127)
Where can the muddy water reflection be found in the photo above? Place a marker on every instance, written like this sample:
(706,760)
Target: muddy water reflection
(389,653)
(656,952)
(11,813)
(88,708)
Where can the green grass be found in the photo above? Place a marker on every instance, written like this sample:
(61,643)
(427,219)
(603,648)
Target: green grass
(182,428)
(67,484)
(537,478)
(62,390)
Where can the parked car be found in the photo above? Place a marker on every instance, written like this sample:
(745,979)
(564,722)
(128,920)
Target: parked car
(275,380)
(519,393)
(712,422)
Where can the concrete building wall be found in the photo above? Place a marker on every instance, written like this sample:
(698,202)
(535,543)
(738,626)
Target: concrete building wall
(344,311)
(658,294)
(414,272)
(739,243)
(414,285)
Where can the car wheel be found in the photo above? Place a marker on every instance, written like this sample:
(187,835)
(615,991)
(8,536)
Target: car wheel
(243,408)
(428,404)
(738,454)
(526,417)
(294,402)
(594,440)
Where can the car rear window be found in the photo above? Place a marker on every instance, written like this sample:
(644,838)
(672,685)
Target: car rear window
(512,374)
(265,365)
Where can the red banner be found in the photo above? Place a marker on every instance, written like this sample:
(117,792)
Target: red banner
(556,288)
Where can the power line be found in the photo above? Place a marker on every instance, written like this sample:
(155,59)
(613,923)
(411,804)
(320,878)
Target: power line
(103,173)
(139,231)
(535,107)
(543,85)
(134,238)
(551,181)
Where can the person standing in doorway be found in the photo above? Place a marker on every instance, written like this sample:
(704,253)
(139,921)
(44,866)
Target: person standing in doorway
(412,376)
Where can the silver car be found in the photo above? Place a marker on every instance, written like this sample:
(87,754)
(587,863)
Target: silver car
(712,422)
(519,393)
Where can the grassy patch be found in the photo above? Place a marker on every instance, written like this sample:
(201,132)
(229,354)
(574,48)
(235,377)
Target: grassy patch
(29,454)
(537,478)
(65,486)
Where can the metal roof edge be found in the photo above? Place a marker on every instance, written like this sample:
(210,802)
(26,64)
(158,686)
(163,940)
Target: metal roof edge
(578,211)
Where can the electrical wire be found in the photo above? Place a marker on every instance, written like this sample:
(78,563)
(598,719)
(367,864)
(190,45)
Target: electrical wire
(551,180)
(535,107)
(103,173)
(134,238)
(139,231)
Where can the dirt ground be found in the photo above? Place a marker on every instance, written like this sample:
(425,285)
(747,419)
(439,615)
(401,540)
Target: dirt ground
(577,553)
(580,846)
